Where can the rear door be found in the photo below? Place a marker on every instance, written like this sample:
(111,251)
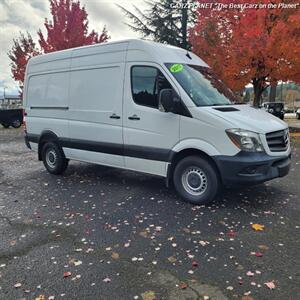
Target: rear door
(149,134)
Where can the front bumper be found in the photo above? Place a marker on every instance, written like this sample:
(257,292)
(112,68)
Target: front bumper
(247,168)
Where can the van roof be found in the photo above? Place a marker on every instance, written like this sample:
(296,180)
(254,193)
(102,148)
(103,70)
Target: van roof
(141,50)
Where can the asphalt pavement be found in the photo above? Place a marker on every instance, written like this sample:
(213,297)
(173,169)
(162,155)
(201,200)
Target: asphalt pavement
(103,233)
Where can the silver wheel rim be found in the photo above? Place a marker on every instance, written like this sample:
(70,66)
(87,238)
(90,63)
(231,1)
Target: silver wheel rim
(51,158)
(194,181)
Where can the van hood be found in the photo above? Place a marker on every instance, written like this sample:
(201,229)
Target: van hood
(245,117)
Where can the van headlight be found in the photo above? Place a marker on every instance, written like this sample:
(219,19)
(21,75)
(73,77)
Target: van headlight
(245,140)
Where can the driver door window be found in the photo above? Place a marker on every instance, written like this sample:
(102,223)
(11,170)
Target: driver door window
(146,83)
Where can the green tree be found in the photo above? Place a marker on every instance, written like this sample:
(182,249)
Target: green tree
(166,21)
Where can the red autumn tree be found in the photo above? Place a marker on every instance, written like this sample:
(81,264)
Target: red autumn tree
(68,27)
(23,48)
(242,45)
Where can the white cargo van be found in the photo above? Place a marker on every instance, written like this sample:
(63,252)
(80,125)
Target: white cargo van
(151,108)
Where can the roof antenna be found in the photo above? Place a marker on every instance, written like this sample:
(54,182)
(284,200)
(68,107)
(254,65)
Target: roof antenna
(188,55)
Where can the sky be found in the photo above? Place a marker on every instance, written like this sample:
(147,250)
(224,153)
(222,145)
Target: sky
(29,15)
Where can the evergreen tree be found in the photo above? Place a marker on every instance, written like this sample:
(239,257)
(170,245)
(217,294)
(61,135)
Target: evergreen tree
(166,21)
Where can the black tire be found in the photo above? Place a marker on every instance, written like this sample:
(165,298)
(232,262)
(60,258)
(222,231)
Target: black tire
(5,125)
(196,180)
(16,123)
(54,158)
(298,117)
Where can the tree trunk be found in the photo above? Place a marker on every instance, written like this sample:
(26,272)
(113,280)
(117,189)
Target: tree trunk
(272,96)
(258,89)
(184,21)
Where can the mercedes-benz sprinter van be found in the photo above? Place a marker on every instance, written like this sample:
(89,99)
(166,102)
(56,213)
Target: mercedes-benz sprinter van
(151,108)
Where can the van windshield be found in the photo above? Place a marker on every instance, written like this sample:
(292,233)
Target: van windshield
(202,85)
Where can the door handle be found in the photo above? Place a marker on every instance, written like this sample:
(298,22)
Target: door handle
(114,116)
(134,117)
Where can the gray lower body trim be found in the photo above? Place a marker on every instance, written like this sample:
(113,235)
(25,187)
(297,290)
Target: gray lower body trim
(150,153)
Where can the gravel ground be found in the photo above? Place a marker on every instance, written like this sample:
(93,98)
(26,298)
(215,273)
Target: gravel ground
(102,233)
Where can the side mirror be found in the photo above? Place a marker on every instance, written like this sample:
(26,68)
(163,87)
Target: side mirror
(168,100)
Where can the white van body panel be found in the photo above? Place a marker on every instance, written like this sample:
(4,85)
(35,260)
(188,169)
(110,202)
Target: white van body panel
(42,90)
(253,119)
(246,117)
(209,133)
(139,50)
(90,120)
(153,128)
(55,61)
(96,90)
(104,159)
(84,96)
(93,56)
(197,144)
(147,166)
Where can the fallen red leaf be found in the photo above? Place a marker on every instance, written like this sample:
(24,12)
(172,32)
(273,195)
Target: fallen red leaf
(183,286)
(231,233)
(67,274)
(195,264)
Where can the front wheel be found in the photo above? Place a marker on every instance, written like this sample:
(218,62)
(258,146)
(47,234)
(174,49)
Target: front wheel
(196,180)
(53,158)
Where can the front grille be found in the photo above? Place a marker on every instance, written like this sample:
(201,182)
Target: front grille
(278,140)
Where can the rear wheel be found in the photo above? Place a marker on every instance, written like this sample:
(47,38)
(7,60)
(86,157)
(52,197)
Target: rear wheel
(53,158)
(5,125)
(16,123)
(196,180)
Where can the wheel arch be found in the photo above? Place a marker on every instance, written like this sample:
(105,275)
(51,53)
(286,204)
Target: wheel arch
(46,136)
(178,156)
